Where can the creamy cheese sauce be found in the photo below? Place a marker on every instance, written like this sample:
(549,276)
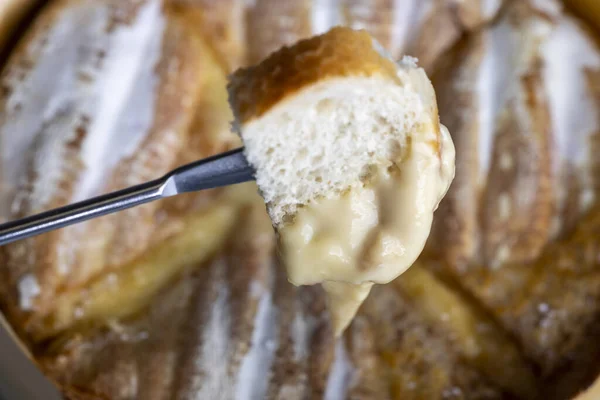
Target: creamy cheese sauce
(372,232)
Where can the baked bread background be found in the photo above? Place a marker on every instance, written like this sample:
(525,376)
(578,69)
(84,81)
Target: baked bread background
(184,298)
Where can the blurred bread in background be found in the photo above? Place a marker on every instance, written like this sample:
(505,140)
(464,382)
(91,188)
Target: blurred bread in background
(12,14)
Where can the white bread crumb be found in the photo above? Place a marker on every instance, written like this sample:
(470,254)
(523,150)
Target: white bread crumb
(323,140)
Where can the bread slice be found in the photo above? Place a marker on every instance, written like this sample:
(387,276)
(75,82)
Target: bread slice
(350,158)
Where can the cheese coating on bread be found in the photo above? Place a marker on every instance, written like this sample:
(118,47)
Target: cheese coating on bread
(350,158)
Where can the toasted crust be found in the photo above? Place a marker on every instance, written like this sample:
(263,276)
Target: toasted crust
(341,52)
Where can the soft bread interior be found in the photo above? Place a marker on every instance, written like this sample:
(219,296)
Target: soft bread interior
(324,140)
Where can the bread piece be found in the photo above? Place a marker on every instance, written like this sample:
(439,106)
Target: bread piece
(350,159)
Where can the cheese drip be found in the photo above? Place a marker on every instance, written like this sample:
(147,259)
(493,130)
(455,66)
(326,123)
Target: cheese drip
(372,232)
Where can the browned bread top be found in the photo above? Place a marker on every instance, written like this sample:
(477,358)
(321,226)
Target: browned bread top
(341,52)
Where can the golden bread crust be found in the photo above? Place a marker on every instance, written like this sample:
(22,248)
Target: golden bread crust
(340,53)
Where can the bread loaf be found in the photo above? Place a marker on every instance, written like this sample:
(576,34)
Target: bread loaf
(468,321)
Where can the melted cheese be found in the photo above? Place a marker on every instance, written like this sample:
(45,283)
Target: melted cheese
(371,233)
